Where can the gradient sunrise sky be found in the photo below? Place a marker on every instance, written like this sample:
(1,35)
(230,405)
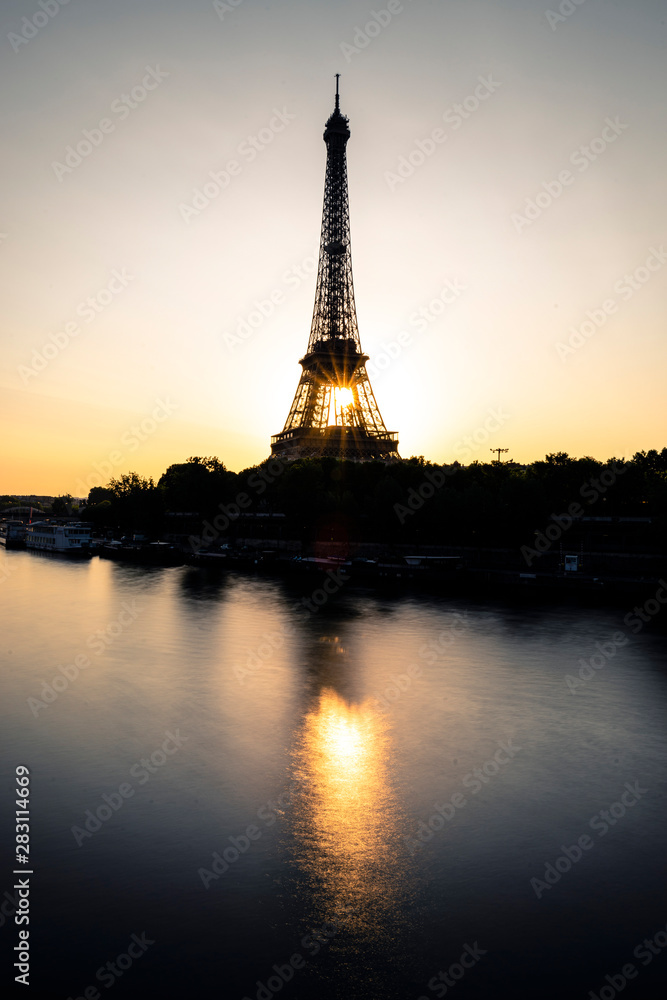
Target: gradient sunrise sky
(507,189)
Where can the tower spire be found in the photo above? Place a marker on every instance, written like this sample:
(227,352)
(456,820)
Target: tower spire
(334,412)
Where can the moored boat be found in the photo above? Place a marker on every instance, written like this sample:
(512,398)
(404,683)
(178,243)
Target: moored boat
(144,553)
(65,539)
(12,534)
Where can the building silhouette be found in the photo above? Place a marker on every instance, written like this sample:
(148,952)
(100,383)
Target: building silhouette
(334,412)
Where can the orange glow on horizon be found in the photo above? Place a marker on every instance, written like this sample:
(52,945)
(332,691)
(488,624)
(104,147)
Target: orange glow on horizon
(558,322)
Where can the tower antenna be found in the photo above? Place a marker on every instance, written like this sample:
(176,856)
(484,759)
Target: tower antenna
(337,97)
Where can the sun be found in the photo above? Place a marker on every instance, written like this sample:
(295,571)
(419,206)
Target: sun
(344,396)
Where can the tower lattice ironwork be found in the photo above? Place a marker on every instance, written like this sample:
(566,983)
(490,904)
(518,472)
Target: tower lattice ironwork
(334,412)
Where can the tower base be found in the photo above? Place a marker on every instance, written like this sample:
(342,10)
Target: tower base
(350,443)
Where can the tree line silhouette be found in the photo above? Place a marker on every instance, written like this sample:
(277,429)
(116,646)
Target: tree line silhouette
(492,504)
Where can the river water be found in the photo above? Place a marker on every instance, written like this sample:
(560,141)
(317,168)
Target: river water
(394,796)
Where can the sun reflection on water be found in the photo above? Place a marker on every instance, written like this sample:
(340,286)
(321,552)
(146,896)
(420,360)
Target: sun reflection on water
(346,825)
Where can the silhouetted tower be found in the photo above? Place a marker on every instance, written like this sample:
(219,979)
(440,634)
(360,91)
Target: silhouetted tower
(334,412)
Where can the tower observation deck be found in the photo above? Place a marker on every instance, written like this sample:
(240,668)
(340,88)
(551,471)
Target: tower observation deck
(334,412)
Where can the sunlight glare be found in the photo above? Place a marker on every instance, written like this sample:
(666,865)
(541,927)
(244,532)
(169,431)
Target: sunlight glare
(344,396)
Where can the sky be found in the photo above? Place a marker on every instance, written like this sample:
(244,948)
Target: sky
(161,207)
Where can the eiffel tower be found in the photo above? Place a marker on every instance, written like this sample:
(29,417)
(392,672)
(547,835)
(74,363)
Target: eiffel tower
(334,412)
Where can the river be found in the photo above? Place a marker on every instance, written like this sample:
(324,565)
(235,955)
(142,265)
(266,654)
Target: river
(395,796)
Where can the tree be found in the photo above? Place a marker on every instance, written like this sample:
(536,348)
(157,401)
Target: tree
(99,494)
(198,485)
(100,514)
(61,505)
(137,504)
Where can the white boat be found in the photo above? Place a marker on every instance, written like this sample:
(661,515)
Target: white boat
(12,534)
(65,539)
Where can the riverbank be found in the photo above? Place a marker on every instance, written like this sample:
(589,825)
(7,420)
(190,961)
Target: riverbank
(603,577)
